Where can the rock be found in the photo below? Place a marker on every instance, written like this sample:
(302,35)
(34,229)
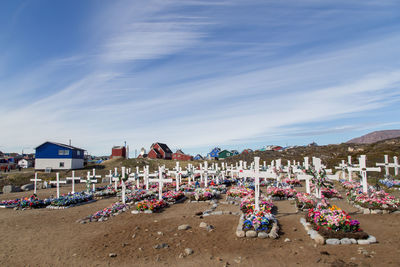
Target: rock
(181,256)
(287,240)
(332,241)
(363,242)
(112,255)
(133,236)
(345,241)
(135,212)
(210,228)
(319,240)
(160,233)
(302,220)
(82,222)
(162,245)
(371,239)
(11,189)
(353,241)
(188,251)
(251,233)
(27,187)
(148,211)
(217,212)
(240,233)
(198,213)
(184,227)
(262,235)
(215,206)
(203,225)
(366,211)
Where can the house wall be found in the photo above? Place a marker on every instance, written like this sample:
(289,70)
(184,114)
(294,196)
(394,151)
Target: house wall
(152,154)
(118,153)
(179,156)
(54,164)
(51,151)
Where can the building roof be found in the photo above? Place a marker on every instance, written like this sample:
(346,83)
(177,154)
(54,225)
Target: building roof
(118,147)
(179,151)
(164,147)
(59,144)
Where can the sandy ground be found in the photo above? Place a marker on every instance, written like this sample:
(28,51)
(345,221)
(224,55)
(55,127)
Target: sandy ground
(53,238)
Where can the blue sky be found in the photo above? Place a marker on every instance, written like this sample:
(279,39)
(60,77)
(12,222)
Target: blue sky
(197,74)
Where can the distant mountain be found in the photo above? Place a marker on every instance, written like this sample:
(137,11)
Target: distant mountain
(375,137)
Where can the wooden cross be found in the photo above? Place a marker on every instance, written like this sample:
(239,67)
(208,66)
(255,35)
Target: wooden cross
(363,171)
(73,178)
(58,182)
(35,180)
(160,181)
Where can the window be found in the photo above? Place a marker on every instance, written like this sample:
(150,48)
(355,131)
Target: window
(66,152)
(61,164)
(63,152)
(78,152)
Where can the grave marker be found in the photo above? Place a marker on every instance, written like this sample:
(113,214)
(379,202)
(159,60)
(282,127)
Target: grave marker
(58,182)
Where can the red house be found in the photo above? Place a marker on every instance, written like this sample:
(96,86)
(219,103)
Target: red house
(118,152)
(179,155)
(159,151)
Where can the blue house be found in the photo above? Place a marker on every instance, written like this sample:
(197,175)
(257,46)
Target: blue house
(214,153)
(198,157)
(58,156)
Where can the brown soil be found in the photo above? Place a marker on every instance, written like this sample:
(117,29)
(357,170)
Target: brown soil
(53,238)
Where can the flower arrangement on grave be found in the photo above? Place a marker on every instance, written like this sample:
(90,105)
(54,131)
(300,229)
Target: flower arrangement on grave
(390,183)
(172,196)
(306,201)
(239,192)
(292,181)
(260,221)
(33,202)
(319,179)
(328,192)
(281,192)
(350,185)
(138,195)
(201,194)
(105,192)
(220,188)
(247,204)
(10,202)
(187,188)
(151,204)
(107,212)
(375,200)
(335,223)
(71,199)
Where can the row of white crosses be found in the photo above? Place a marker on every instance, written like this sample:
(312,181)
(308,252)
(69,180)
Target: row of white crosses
(363,169)
(160,181)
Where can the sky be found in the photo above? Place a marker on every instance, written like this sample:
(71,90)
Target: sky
(196,74)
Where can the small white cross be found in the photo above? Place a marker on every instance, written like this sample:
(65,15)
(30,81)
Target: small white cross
(35,180)
(73,178)
(58,182)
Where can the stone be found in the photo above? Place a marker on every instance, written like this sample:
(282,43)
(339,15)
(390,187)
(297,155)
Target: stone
(11,189)
(262,235)
(240,233)
(217,212)
(251,233)
(112,255)
(188,251)
(363,242)
(203,225)
(148,211)
(133,236)
(345,241)
(27,187)
(162,245)
(332,241)
(366,211)
(135,212)
(371,239)
(273,234)
(210,228)
(319,240)
(215,206)
(287,240)
(160,233)
(198,213)
(353,241)
(302,220)
(184,227)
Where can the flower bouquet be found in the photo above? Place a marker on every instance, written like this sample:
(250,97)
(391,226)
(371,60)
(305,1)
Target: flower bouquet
(201,194)
(260,221)
(376,200)
(306,201)
(351,185)
(280,192)
(71,199)
(153,205)
(330,193)
(239,192)
(100,215)
(390,183)
(248,204)
(172,196)
(294,182)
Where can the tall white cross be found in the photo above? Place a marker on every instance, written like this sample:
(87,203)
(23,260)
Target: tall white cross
(58,182)
(363,171)
(396,166)
(123,191)
(89,181)
(255,173)
(73,178)
(110,176)
(205,174)
(343,167)
(35,180)
(388,165)
(160,181)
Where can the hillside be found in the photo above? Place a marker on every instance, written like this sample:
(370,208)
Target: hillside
(375,137)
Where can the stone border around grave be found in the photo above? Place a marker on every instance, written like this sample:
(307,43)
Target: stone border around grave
(273,234)
(70,206)
(320,240)
(371,211)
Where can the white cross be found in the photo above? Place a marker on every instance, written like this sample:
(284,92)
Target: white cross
(35,180)
(396,166)
(256,175)
(205,174)
(160,181)
(89,181)
(342,166)
(58,182)
(363,171)
(388,165)
(73,178)
(110,176)
(123,191)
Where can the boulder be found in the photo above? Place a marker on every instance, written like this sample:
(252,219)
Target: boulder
(184,227)
(188,251)
(363,241)
(371,239)
(262,235)
(251,233)
(345,241)
(332,241)
(11,189)
(319,240)
(203,225)
(240,233)
(353,241)
(27,187)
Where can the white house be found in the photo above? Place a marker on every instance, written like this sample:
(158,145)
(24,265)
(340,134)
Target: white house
(58,156)
(25,163)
